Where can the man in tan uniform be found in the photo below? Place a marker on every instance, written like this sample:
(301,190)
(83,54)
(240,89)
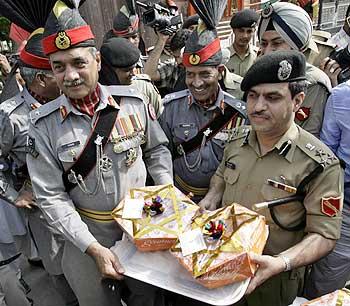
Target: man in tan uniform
(286,26)
(273,159)
(243,53)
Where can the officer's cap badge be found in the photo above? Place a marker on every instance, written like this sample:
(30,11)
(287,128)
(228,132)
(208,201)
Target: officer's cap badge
(194,59)
(62,41)
(284,71)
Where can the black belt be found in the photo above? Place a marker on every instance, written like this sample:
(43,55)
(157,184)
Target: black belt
(8,261)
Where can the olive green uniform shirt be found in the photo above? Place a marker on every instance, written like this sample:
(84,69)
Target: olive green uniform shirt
(240,65)
(245,172)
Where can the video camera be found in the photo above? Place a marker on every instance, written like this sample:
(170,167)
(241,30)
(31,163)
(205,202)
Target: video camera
(342,57)
(163,20)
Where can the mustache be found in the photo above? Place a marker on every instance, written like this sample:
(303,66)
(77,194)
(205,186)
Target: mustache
(259,114)
(73,83)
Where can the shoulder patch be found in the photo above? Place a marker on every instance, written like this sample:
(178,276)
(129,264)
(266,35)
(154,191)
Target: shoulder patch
(10,105)
(175,95)
(239,132)
(44,110)
(124,91)
(316,150)
(239,105)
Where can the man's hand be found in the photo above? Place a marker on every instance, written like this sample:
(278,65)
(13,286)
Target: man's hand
(268,266)
(25,199)
(4,65)
(207,204)
(107,263)
(332,69)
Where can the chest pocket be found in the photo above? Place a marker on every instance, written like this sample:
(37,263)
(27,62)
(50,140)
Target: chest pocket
(288,215)
(185,132)
(69,152)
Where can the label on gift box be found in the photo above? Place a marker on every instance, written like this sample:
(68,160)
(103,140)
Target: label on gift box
(192,242)
(133,208)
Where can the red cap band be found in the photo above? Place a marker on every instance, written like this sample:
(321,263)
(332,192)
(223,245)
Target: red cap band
(201,56)
(34,61)
(129,30)
(66,39)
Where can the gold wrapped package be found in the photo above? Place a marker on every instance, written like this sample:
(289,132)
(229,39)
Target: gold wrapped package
(225,259)
(336,298)
(160,231)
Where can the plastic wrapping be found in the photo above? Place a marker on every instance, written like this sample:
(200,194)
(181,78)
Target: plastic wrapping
(226,259)
(336,298)
(158,232)
(162,270)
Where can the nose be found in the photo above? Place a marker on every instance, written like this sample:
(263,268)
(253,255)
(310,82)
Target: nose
(71,74)
(197,82)
(260,104)
(267,49)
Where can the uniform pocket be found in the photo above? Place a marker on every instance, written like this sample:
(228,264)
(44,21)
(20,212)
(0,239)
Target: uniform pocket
(231,176)
(185,132)
(68,153)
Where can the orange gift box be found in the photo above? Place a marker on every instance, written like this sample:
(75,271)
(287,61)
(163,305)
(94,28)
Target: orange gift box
(336,298)
(158,232)
(226,259)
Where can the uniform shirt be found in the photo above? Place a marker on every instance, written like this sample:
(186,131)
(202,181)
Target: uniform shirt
(182,119)
(232,83)
(310,114)
(59,132)
(245,172)
(14,131)
(335,131)
(240,65)
(143,84)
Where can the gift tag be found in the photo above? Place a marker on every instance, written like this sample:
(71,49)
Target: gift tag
(192,242)
(133,208)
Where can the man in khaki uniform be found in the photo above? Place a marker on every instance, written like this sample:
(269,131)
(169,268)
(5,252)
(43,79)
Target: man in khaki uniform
(286,26)
(274,159)
(243,53)
(118,67)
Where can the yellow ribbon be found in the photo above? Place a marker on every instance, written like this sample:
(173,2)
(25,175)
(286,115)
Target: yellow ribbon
(142,227)
(341,296)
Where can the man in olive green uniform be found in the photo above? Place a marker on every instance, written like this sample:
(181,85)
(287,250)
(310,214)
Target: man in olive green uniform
(119,60)
(273,159)
(87,149)
(243,53)
(286,26)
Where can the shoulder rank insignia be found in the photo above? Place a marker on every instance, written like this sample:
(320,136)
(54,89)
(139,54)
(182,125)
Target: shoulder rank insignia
(30,147)
(330,206)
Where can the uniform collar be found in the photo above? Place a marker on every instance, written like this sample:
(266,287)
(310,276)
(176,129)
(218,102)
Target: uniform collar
(285,146)
(29,99)
(105,99)
(219,103)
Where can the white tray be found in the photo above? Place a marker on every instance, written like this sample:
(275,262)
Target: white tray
(163,270)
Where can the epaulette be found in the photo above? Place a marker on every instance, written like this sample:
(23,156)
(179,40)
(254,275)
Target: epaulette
(237,104)
(239,132)
(175,95)
(143,77)
(124,91)
(315,75)
(315,149)
(10,105)
(45,110)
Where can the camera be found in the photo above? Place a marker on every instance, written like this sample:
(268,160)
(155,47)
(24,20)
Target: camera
(160,18)
(342,57)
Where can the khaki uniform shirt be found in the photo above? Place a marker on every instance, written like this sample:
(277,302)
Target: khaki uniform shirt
(232,83)
(310,114)
(59,132)
(294,157)
(240,65)
(144,85)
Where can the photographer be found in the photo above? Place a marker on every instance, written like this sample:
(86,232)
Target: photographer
(169,74)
